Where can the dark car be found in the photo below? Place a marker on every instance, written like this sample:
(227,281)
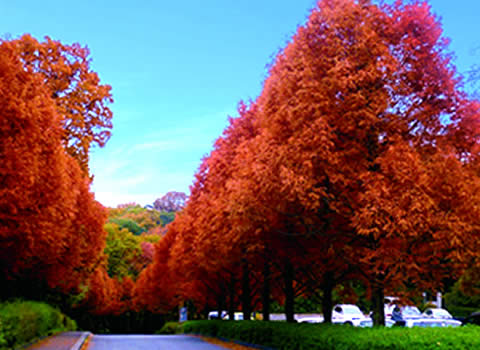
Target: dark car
(474,318)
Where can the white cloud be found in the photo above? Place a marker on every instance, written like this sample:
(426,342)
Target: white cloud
(112,199)
(141,168)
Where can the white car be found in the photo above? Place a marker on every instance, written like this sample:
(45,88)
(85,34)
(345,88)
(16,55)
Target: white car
(389,304)
(390,300)
(310,319)
(348,314)
(431,322)
(437,313)
(237,316)
(213,315)
(397,312)
(368,322)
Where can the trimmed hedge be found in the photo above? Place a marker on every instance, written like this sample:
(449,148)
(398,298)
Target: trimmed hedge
(24,321)
(170,328)
(281,335)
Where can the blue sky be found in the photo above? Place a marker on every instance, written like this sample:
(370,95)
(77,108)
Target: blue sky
(179,69)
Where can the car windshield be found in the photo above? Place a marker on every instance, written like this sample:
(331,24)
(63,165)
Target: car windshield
(352,310)
(441,313)
(411,311)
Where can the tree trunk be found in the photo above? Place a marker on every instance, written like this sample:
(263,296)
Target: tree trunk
(288,276)
(266,291)
(378,300)
(231,295)
(205,311)
(221,301)
(246,292)
(327,303)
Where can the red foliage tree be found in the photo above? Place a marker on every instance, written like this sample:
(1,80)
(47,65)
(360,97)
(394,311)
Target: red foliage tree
(51,228)
(79,98)
(358,160)
(156,286)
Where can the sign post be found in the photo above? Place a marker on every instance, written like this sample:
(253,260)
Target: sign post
(183,314)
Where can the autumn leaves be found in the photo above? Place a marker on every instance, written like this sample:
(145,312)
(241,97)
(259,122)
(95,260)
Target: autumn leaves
(51,227)
(357,162)
(80,100)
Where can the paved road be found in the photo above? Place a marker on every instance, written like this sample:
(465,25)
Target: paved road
(149,342)
(63,341)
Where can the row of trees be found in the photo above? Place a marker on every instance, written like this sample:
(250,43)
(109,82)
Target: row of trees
(52,236)
(52,109)
(57,242)
(358,163)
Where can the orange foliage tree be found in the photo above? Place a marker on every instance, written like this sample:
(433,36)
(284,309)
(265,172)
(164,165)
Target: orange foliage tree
(51,227)
(79,98)
(156,286)
(358,161)
(346,104)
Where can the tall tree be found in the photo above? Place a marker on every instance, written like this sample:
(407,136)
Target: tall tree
(357,158)
(359,85)
(51,228)
(80,99)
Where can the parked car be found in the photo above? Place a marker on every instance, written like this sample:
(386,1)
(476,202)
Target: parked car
(474,318)
(213,315)
(429,322)
(368,322)
(348,314)
(237,316)
(390,300)
(310,319)
(401,313)
(437,313)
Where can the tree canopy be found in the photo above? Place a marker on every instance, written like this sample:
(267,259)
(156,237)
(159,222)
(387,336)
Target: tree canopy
(357,162)
(51,227)
(80,100)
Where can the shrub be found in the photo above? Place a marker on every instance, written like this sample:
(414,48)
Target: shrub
(23,321)
(170,328)
(462,311)
(281,335)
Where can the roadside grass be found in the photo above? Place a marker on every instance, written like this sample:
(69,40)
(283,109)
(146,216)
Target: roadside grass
(281,335)
(21,322)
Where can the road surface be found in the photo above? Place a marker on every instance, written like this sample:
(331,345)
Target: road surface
(63,341)
(149,342)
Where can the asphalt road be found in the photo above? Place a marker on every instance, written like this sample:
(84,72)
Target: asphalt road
(63,341)
(149,342)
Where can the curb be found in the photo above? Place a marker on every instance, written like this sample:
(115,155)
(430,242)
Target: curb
(35,340)
(78,344)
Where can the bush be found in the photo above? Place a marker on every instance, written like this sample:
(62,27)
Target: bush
(281,335)
(23,321)
(170,328)
(462,311)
